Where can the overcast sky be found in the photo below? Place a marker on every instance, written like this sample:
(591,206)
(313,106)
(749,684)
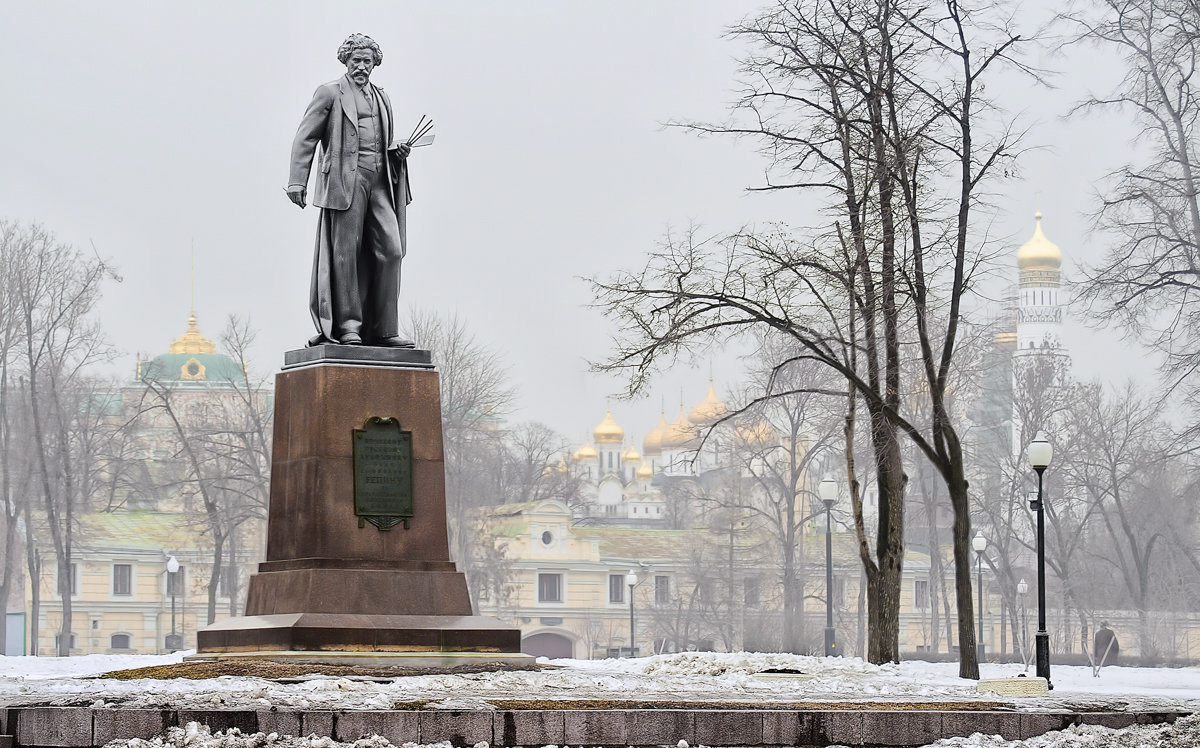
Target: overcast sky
(145,127)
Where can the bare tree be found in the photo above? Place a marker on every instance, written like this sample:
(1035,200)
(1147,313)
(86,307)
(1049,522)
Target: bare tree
(1149,281)
(877,103)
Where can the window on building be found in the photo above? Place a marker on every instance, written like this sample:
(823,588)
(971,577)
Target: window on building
(225,581)
(750,595)
(122,579)
(839,591)
(58,638)
(921,595)
(121,641)
(175,582)
(616,588)
(662,589)
(549,588)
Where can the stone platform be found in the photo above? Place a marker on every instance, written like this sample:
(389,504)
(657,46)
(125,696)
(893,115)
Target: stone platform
(873,725)
(336,580)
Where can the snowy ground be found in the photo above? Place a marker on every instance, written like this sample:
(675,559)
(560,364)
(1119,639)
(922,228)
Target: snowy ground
(680,677)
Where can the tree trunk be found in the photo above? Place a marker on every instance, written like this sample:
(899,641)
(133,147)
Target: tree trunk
(883,590)
(968,662)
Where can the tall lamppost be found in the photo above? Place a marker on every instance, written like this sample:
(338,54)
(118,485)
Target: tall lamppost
(1039,452)
(631,579)
(1022,588)
(172,570)
(829,491)
(979,543)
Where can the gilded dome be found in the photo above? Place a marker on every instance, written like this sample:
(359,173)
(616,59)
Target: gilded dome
(645,471)
(631,454)
(608,432)
(679,435)
(652,444)
(192,341)
(757,434)
(1039,253)
(710,410)
(586,452)
(192,359)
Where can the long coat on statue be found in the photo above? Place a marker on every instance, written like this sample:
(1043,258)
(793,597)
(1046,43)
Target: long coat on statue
(331,121)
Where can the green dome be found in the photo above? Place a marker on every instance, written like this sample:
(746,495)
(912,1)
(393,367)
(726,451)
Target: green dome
(209,368)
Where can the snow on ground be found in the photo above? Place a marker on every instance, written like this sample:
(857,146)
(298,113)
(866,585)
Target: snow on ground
(689,676)
(1184,733)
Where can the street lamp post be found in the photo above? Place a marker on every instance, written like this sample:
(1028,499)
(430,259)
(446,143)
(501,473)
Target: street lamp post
(1022,588)
(829,491)
(1040,452)
(631,579)
(172,570)
(979,543)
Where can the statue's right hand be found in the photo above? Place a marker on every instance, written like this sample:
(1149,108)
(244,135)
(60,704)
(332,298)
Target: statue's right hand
(297,194)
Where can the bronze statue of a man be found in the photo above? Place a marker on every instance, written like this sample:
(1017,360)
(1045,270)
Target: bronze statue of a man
(362,191)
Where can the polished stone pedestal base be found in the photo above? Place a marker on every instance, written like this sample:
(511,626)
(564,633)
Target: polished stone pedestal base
(332,584)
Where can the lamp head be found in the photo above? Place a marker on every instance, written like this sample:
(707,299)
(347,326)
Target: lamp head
(172,564)
(1022,587)
(631,578)
(828,490)
(1039,452)
(979,543)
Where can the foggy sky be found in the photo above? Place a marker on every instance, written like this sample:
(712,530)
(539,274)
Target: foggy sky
(145,127)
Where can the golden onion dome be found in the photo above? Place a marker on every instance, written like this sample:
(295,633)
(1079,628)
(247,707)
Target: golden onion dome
(645,471)
(652,444)
(631,454)
(586,452)
(757,434)
(1039,253)
(608,432)
(710,410)
(679,435)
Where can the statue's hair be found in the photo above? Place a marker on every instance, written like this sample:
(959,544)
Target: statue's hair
(359,41)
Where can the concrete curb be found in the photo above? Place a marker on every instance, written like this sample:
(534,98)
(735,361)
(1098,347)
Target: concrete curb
(83,727)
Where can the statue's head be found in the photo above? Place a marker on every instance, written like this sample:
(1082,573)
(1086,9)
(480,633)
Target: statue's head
(361,55)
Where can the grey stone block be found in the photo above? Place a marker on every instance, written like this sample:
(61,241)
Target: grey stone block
(54,726)
(1157,718)
(659,726)
(6,741)
(398,727)
(594,726)
(123,724)
(221,719)
(729,727)
(316,723)
(1040,723)
(961,724)
(1115,720)
(838,726)
(900,727)
(540,727)
(787,727)
(280,722)
(458,727)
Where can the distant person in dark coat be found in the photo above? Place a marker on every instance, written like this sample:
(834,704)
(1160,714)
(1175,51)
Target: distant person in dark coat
(1105,648)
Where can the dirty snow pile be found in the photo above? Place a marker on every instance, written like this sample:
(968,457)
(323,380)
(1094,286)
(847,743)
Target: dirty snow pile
(688,676)
(1184,733)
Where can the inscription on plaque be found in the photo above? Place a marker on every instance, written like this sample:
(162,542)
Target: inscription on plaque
(383,480)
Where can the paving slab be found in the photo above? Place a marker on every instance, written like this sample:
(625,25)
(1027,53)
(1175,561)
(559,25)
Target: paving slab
(659,726)
(220,719)
(398,727)
(788,727)
(729,727)
(534,727)
(55,727)
(840,727)
(961,724)
(6,741)
(901,727)
(1040,723)
(594,726)
(464,728)
(123,724)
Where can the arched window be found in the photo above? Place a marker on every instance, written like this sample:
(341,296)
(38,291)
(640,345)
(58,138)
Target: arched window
(121,641)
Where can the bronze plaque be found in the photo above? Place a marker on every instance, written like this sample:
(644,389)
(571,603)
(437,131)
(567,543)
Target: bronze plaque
(383,479)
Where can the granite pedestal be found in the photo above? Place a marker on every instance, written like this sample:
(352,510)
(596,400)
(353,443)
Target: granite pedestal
(331,584)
